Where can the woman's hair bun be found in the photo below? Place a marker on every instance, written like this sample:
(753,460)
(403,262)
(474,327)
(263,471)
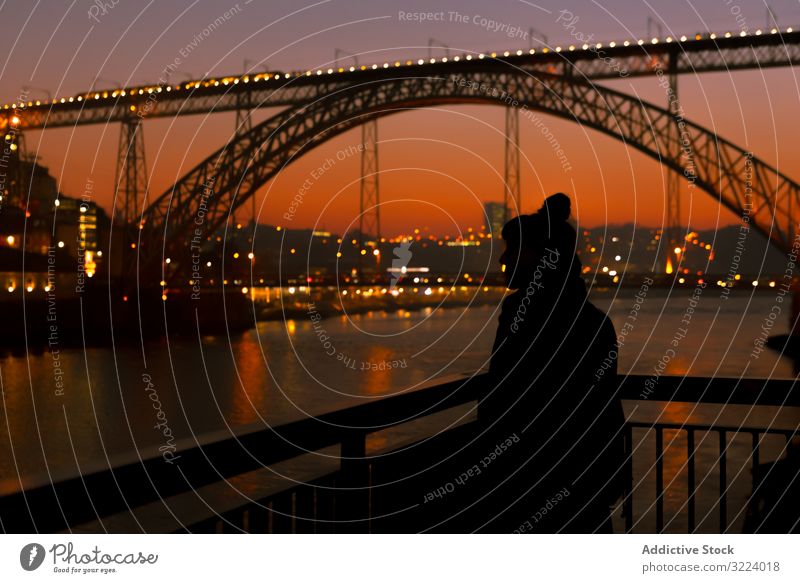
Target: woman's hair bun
(556,208)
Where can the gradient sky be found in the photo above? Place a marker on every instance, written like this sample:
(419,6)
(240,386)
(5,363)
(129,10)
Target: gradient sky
(437,165)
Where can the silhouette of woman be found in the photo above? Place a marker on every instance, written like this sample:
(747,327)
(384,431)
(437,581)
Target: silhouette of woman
(551,419)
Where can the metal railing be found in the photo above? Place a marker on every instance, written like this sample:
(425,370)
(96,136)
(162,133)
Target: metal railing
(338,496)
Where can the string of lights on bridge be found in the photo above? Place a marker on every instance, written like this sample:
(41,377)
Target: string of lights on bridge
(275,76)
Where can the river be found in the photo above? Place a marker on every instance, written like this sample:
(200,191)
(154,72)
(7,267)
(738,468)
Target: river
(286,370)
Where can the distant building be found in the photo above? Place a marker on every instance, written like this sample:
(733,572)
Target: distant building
(494,217)
(48,218)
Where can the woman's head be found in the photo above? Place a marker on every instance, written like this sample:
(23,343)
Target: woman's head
(540,243)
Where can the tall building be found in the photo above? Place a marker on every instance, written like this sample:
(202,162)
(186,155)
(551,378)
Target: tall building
(493,217)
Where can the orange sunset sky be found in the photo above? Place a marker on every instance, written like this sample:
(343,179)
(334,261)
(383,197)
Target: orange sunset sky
(437,165)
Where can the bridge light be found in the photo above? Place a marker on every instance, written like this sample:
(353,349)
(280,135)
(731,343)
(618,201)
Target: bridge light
(61,244)
(433,60)
(789,29)
(612,44)
(532,51)
(743,33)
(168,260)
(519,53)
(444,59)
(494,55)
(683,38)
(386,65)
(758,32)
(481,55)
(727,35)
(469,57)
(640,42)
(599,45)
(505,54)
(558,49)
(654,40)
(774,31)
(250,255)
(585,46)
(330,71)
(627,43)
(420,62)
(712,36)
(456,58)
(572,47)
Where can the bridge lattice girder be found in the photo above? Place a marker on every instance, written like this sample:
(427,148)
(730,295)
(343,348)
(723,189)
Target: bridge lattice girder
(739,181)
(692,56)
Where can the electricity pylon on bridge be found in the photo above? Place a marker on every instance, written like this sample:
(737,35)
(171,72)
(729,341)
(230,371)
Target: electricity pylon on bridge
(369,218)
(131,184)
(511,178)
(673,229)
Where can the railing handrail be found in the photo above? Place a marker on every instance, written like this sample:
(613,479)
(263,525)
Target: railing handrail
(220,455)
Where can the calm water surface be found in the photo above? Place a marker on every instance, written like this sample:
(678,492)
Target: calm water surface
(287,370)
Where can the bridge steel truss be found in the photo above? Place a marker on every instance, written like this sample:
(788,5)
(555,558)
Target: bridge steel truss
(737,179)
(276,89)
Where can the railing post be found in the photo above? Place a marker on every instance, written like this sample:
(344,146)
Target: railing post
(691,485)
(659,479)
(353,498)
(627,493)
(723,482)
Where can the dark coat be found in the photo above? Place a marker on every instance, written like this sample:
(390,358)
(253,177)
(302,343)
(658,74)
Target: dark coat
(553,386)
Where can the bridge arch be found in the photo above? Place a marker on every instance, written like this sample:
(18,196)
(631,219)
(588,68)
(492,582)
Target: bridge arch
(226,179)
